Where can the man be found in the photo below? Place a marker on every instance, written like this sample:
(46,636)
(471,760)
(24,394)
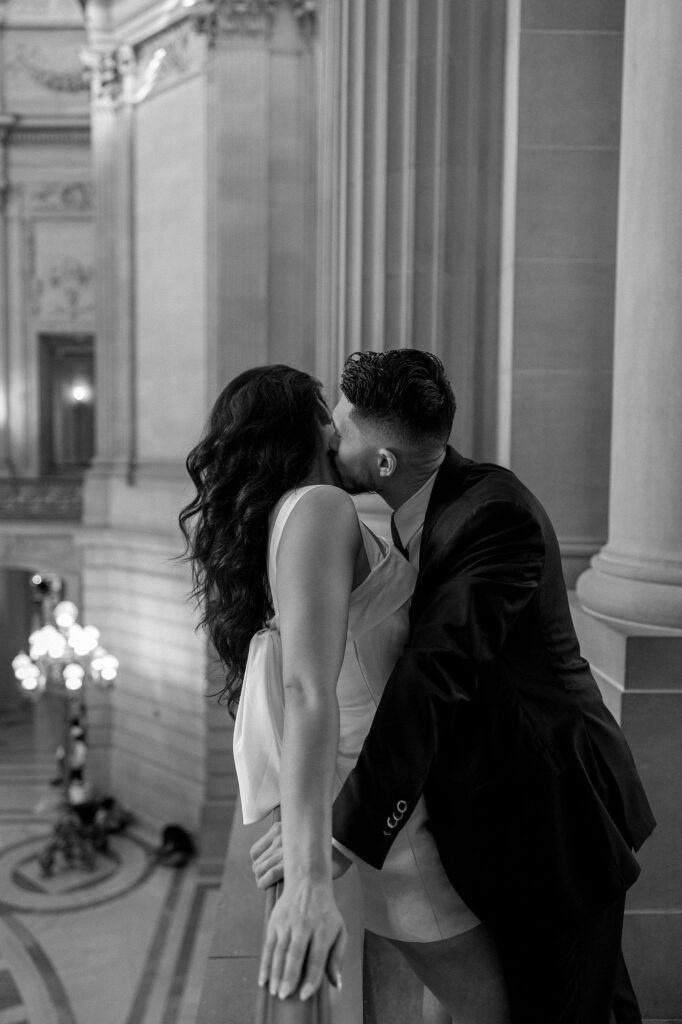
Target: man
(491,713)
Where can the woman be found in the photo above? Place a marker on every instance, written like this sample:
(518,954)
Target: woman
(308,612)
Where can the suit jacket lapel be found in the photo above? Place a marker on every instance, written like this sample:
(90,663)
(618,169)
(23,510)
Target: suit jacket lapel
(444,490)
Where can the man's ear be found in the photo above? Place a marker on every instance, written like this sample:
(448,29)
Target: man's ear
(386,462)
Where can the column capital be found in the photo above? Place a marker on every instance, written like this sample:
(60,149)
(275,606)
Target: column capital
(246,18)
(106,69)
(6,123)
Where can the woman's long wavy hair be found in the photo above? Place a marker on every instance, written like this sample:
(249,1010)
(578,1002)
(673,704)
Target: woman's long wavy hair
(260,442)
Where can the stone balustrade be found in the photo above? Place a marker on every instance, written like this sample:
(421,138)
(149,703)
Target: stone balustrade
(41,498)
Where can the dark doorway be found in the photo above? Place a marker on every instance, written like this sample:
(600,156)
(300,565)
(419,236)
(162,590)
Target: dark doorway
(67,402)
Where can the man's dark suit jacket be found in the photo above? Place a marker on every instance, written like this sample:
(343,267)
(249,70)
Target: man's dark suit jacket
(493,715)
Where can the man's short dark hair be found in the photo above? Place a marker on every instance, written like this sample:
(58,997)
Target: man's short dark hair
(403,389)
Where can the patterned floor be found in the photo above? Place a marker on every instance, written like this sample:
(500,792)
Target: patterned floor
(125,943)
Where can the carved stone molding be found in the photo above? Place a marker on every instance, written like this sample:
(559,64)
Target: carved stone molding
(107,69)
(6,122)
(35,63)
(246,17)
(170,56)
(61,197)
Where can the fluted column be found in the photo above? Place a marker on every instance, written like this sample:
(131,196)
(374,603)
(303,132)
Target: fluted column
(109,68)
(637,577)
(5,456)
(630,623)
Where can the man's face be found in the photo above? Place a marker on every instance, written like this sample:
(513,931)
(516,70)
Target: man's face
(352,451)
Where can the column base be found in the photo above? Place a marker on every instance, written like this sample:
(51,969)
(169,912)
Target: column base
(643,595)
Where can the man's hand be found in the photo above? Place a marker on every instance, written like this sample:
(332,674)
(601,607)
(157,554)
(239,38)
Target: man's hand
(305,937)
(267,859)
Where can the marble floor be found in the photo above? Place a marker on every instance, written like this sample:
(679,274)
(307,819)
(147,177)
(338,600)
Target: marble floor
(123,943)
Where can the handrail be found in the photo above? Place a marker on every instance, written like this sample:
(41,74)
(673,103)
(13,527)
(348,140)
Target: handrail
(271,1009)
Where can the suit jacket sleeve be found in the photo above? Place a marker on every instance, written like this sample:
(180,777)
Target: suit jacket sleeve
(486,571)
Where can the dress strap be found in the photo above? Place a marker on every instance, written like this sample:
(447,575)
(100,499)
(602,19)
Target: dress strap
(285,510)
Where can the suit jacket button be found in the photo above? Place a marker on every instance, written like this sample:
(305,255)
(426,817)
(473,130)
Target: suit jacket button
(401,806)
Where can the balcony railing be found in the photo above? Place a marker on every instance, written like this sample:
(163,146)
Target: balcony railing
(41,498)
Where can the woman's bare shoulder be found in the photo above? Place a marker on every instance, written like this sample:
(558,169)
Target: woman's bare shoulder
(324,508)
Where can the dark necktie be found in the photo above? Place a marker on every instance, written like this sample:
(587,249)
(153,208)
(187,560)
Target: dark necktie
(396,538)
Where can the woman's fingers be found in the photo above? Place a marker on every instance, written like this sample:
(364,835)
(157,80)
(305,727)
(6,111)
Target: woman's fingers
(277,958)
(273,836)
(270,876)
(335,958)
(319,956)
(269,943)
(269,868)
(305,936)
(293,964)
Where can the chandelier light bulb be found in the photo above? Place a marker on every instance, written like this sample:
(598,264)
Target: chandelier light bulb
(73,682)
(27,671)
(30,683)
(57,647)
(73,671)
(65,614)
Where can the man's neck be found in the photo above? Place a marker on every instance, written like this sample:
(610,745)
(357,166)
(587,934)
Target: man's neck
(402,485)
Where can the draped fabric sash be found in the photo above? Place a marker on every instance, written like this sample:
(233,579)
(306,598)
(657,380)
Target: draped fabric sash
(259,727)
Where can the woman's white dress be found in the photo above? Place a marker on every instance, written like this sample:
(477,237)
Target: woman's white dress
(410,898)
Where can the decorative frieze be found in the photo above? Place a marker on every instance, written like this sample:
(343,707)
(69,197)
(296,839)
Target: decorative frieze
(170,56)
(60,262)
(61,197)
(246,17)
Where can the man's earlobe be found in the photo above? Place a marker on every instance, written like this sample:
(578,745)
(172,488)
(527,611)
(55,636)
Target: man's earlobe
(387,462)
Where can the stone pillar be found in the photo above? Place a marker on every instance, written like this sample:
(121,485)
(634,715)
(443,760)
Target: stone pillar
(6,122)
(638,575)
(109,68)
(631,622)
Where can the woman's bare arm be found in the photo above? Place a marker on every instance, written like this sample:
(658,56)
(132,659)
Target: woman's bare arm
(315,567)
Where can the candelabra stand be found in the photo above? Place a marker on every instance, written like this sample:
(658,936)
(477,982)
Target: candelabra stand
(65,657)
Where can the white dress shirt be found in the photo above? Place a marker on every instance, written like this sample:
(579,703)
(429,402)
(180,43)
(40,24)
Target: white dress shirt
(409,519)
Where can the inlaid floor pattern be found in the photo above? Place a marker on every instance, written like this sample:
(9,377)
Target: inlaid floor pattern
(125,943)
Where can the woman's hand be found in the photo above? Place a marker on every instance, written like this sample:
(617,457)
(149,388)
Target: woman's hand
(304,938)
(267,858)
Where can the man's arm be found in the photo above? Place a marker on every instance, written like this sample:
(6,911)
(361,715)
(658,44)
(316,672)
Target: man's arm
(487,575)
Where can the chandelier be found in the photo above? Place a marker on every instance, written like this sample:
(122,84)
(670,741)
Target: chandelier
(64,654)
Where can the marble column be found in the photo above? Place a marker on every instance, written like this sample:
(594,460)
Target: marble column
(109,67)
(630,614)
(6,122)
(638,575)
